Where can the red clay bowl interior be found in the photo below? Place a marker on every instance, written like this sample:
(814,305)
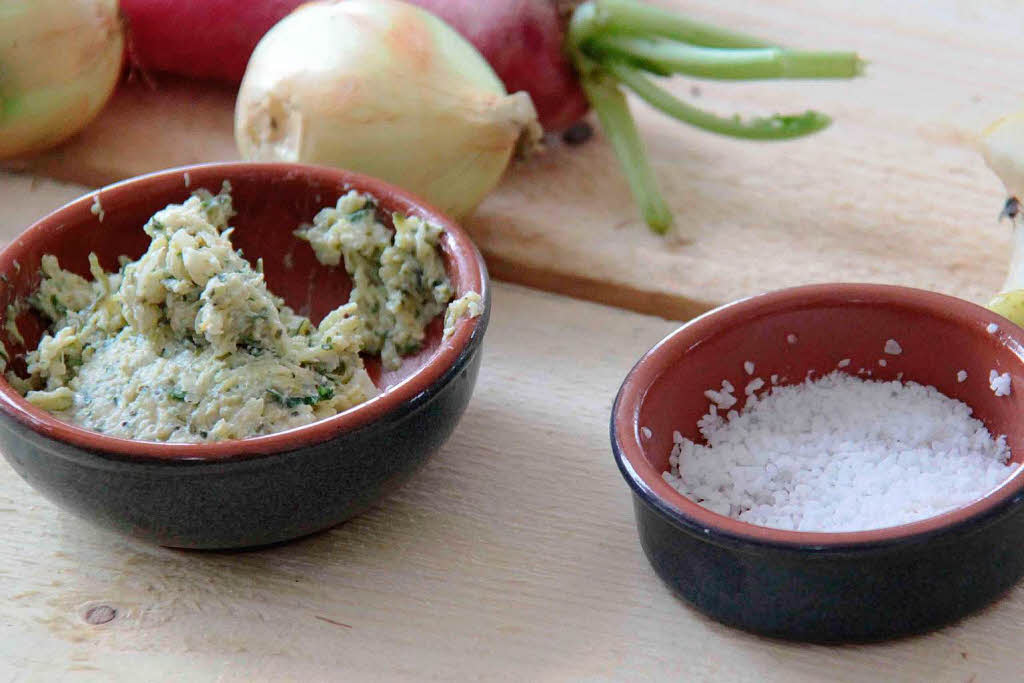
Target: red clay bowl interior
(271,200)
(939,336)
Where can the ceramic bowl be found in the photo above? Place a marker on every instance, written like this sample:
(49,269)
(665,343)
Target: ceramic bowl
(270,488)
(862,585)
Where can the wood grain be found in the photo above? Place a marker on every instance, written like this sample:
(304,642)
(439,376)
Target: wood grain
(892,192)
(512,556)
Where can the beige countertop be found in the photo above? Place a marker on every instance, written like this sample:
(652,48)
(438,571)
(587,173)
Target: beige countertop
(511,556)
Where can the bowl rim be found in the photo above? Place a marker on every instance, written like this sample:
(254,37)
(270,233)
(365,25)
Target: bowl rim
(465,264)
(648,484)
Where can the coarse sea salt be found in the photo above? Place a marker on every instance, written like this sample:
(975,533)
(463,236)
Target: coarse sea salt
(892,347)
(840,453)
(843,363)
(748,367)
(961,376)
(992,328)
(754,385)
(999,383)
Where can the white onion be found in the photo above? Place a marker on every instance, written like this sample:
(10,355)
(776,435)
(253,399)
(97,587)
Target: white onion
(382,88)
(59,63)
(1002,145)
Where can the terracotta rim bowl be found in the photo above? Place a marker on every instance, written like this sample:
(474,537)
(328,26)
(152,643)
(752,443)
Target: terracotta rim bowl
(816,585)
(152,192)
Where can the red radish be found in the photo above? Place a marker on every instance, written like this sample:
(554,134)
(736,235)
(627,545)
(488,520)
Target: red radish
(524,42)
(206,39)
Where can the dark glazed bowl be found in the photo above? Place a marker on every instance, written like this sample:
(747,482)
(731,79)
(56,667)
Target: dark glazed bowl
(266,489)
(853,586)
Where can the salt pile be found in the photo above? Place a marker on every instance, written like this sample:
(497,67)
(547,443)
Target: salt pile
(838,453)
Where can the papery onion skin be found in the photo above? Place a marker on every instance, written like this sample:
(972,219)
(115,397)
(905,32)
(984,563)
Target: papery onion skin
(383,88)
(59,63)
(1002,145)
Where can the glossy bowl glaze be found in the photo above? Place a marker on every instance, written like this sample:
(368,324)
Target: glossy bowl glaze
(264,489)
(863,585)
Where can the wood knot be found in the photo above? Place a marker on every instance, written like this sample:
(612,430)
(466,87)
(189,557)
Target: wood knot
(100,614)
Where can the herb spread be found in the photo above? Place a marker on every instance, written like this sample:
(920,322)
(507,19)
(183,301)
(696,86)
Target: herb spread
(187,343)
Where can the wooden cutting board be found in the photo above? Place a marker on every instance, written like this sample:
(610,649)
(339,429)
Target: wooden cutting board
(892,192)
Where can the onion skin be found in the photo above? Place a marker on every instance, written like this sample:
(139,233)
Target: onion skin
(524,42)
(1002,146)
(383,88)
(59,63)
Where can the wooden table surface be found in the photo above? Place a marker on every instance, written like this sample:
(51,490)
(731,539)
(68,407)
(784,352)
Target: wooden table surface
(512,556)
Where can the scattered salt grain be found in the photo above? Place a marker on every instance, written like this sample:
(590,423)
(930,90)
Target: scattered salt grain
(893,348)
(97,208)
(188,179)
(882,362)
(961,376)
(748,367)
(1000,384)
(722,399)
(754,385)
(840,453)
(646,431)
(727,386)
(775,379)
(992,328)
(843,363)
(791,338)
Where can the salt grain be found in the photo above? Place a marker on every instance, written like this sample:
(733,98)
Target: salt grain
(1000,384)
(961,376)
(646,431)
(893,348)
(748,367)
(840,454)
(97,208)
(882,362)
(992,328)
(791,338)
(754,385)
(722,399)
(775,379)
(843,363)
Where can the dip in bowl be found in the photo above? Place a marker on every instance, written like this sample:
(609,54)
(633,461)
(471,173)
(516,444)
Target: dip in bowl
(268,488)
(848,585)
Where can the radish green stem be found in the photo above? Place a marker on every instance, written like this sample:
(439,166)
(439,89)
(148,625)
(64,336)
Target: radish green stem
(667,57)
(618,124)
(613,42)
(634,18)
(778,127)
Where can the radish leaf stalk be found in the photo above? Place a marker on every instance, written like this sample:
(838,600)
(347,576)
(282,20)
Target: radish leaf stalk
(614,42)
(777,127)
(610,105)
